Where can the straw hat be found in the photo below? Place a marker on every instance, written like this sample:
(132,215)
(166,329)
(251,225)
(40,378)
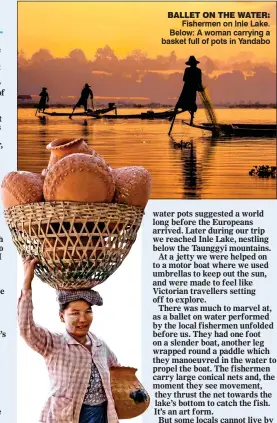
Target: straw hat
(192,61)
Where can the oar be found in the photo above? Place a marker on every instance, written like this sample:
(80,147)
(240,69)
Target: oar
(70,116)
(172,123)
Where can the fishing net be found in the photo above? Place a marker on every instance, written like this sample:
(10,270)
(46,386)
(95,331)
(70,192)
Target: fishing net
(207,103)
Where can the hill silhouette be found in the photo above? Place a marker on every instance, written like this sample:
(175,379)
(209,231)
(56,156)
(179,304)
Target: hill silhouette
(140,79)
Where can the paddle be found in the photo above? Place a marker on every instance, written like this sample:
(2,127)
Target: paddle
(70,116)
(172,123)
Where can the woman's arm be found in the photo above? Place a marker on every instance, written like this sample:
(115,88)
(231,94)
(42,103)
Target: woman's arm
(38,338)
(112,359)
(29,270)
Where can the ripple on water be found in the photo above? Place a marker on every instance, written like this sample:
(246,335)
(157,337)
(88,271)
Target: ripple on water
(207,169)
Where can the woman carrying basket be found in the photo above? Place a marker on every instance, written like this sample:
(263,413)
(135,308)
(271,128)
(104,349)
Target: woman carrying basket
(78,362)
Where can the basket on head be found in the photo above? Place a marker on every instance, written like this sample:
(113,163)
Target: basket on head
(78,245)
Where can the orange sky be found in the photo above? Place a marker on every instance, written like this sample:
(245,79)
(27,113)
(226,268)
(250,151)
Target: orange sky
(125,26)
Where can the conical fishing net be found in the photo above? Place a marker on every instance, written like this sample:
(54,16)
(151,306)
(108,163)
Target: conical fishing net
(207,103)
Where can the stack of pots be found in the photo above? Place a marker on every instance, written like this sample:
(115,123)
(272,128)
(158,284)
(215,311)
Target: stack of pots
(77,173)
(79,216)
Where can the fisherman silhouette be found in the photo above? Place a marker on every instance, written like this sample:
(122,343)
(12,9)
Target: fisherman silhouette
(83,100)
(44,98)
(192,83)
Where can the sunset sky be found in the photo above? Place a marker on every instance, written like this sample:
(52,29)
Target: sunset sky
(124,26)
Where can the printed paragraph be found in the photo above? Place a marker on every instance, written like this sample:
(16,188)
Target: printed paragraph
(2,292)
(2,93)
(212,319)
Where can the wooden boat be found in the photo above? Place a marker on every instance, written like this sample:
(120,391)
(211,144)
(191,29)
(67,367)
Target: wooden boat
(90,113)
(251,130)
(167,114)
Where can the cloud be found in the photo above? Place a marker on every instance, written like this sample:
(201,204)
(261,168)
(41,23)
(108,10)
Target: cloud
(137,75)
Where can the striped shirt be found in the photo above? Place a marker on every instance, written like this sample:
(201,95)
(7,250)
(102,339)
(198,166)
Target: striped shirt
(69,365)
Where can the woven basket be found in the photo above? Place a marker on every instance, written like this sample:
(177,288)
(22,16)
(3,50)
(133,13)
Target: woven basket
(123,384)
(78,245)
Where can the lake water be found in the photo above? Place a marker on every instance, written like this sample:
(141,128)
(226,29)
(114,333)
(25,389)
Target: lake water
(208,168)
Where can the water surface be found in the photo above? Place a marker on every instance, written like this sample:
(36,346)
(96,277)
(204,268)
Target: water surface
(208,168)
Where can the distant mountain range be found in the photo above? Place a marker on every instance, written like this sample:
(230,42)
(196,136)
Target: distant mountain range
(138,79)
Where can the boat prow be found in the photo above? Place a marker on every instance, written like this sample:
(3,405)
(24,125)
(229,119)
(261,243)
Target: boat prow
(239,130)
(149,115)
(90,113)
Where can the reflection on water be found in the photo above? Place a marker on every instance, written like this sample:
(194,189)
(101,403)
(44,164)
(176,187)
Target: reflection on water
(190,164)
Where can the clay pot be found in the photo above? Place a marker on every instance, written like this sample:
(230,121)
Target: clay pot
(54,249)
(112,226)
(55,245)
(78,248)
(79,177)
(132,186)
(125,386)
(21,188)
(62,147)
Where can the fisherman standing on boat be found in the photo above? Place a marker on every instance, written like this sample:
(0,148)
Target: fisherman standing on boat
(192,83)
(83,100)
(44,98)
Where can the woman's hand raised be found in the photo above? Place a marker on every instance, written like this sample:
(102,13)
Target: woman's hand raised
(29,265)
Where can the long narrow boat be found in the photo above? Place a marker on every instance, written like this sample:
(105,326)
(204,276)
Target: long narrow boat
(89,113)
(167,114)
(240,130)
